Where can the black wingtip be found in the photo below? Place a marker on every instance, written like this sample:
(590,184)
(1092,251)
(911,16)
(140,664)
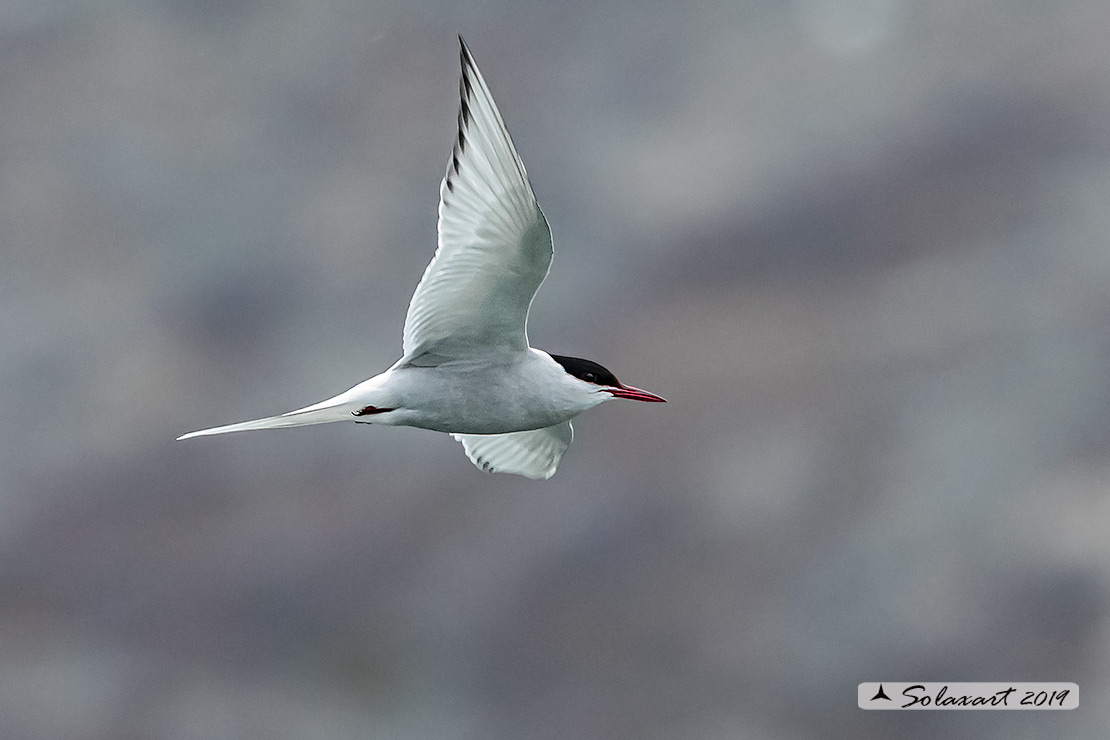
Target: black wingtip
(465,56)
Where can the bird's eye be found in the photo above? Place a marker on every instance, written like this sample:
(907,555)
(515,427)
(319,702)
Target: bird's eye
(590,378)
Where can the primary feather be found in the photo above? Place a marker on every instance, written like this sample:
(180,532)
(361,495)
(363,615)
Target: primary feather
(494,243)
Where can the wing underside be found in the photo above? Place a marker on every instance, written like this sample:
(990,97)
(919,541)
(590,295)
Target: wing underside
(494,245)
(533,454)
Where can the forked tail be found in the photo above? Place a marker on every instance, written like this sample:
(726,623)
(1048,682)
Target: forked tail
(316,414)
(344,407)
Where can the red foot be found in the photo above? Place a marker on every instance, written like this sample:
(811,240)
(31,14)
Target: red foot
(370,410)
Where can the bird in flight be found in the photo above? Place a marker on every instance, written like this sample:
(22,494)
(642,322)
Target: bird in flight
(467,368)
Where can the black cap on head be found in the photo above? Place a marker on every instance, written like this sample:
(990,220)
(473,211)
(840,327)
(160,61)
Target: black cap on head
(588,371)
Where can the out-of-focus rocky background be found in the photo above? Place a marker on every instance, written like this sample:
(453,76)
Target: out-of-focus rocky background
(860,245)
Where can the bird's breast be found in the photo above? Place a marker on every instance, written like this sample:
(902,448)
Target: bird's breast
(472,399)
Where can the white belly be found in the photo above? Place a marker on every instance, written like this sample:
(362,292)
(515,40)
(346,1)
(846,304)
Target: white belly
(517,393)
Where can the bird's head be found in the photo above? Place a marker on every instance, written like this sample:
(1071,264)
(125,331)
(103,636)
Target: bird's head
(601,380)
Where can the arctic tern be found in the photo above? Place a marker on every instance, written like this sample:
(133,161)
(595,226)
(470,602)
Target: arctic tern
(467,368)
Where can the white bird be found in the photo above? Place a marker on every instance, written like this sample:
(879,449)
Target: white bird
(467,368)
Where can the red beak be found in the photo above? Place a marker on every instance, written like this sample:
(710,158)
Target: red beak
(635,394)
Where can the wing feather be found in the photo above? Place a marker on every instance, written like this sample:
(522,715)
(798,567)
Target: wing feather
(494,243)
(533,454)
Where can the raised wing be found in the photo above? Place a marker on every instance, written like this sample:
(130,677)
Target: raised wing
(494,244)
(533,454)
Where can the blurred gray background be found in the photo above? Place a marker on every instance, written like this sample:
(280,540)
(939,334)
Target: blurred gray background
(860,245)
